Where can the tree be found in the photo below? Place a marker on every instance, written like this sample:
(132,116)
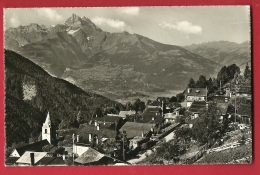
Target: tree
(129,106)
(183,133)
(173,99)
(207,124)
(202,82)
(247,73)
(139,105)
(232,70)
(180,97)
(191,83)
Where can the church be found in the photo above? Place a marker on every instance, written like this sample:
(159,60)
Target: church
(48,137)
(48,131)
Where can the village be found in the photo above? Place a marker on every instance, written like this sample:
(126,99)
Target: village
(183,130)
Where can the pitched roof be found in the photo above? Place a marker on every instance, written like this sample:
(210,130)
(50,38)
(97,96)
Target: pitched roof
(11,160)
(135,129)
(153,110)
(36,146)
(220,98)
(150,118)
(89,156)
(103,131)
(51,161)
(196,106)
(223,107)
(196,92)
(26,159)
(125,113)
(110,119)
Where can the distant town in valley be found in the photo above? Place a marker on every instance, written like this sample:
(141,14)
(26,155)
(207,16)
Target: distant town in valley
(83,91)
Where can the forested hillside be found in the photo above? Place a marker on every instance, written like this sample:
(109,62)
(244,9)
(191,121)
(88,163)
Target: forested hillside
(31,93)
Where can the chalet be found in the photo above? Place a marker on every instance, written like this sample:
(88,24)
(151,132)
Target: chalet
(31,158)
(114,122)
(196,108)
(244,113)
(220,98)
(171,116)
(150,118)
(134,129)
(93,157)
(101,131)
(82,144)
(123,114)
(195,94)
(36,146)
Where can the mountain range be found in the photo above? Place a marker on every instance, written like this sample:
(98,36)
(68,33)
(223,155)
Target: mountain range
(224,52)
(116,65)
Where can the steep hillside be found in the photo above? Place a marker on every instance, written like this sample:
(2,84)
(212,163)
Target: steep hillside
(224,52)
(31,93)
(117,65)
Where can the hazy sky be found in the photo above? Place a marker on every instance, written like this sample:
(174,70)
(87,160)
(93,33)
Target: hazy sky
(169,25)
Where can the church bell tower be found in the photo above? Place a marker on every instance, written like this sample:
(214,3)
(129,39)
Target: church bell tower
(46,129)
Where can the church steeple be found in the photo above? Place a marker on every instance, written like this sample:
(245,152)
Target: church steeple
(46,129)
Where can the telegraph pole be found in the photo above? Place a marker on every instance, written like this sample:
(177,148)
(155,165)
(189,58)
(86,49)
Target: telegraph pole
(73,148)
(236,101)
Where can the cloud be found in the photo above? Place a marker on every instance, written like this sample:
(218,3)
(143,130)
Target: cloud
(129,10)
(183,26)
(14,21)
(49,14)
(117,24)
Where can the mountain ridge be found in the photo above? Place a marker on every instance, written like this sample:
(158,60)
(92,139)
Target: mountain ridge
(96,60)
(224,52)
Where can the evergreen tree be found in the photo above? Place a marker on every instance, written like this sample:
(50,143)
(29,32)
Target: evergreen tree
(247,73)
(191,83)
(202,82)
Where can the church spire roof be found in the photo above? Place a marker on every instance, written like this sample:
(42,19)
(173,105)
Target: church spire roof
(47,122)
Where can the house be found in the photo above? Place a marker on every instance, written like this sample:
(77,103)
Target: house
(100,130)
(50,161)
(171,117)
(114,122)
(196,107)
(123,114)
(39,159)
(195,94)
(36,146)
(93,157)
(156,110)
(150,118)
(245,94)
(220,98)
(82,144)
(244,113)
(10,161)
(31,158)
(223,107)
(133,129)
(137,141)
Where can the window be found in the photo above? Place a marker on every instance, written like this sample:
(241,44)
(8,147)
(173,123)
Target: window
(45,131)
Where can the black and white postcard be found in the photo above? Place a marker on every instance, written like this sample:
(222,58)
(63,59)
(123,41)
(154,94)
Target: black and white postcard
(128,86)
